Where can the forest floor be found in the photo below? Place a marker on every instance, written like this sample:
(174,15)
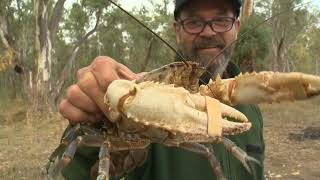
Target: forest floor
(292,137)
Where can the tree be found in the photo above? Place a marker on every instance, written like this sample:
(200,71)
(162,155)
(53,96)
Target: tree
(246,10)
(286,29)
(33,57)
(67,67)
(13,34)
(304,54)
(253,48)
(45,29)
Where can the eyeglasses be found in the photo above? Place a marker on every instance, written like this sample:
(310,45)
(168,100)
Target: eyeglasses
(196,25)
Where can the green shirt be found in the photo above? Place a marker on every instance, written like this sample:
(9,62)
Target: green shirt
(170,163)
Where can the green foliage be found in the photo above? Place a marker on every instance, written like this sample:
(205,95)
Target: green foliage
(139,38)
(78,19)
(117,36)
(305,52)
(300,57)
(93,5)
(254,46)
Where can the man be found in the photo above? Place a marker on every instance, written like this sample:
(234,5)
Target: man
(203,28)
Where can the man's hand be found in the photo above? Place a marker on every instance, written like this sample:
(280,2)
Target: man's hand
(84,100)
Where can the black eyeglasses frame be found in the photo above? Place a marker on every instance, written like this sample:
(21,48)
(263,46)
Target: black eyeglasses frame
(210,23)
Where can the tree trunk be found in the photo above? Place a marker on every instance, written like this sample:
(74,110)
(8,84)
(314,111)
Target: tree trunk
(246,10)
(8,56)
(316,66)
(147,59)
(283,38)
(44,32)
(43,54)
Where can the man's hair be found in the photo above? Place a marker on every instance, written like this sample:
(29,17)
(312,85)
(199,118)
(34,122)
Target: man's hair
(179,4)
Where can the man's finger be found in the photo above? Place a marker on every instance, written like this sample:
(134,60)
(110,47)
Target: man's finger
(80,100)
(125,73)
(89,85)
(81,71)
(104,71)
(74,114)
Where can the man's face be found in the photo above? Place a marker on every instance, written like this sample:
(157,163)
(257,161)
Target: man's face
(202,47)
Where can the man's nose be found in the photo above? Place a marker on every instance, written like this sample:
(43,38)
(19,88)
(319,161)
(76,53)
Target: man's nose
(208,31)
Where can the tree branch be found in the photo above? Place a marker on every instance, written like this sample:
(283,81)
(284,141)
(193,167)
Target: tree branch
(86,36)
(4,32)
(72,58)
(146,61)
(19,10)
(56,16)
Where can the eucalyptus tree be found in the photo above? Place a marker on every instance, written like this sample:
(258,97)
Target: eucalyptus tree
(286,30)
(15,41)
(253,46)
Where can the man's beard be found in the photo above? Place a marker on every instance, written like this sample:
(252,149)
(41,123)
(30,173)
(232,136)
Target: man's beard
(216,65)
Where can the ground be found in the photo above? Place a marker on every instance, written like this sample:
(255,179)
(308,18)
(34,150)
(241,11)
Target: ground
(292,135)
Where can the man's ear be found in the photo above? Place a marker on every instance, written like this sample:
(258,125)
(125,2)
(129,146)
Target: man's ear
(237,25)
(177,29)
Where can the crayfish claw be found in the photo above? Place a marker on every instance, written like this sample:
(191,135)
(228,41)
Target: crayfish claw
(263,87)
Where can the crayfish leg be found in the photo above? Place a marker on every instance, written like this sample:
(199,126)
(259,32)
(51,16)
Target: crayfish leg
(66,158)
(241,155)
(104,162)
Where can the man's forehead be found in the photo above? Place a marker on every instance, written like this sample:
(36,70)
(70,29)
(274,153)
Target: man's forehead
(191,13)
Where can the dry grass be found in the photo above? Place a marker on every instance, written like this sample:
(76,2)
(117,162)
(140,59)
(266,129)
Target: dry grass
(25,145)
(288,157)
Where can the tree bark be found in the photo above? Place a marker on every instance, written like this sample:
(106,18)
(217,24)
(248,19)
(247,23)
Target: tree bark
(43,54)
(44,31)
(246,10)
(56,16)
(147,59)
(316,66)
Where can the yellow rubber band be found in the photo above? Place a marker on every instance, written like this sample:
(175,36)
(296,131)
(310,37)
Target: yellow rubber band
(214,117)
